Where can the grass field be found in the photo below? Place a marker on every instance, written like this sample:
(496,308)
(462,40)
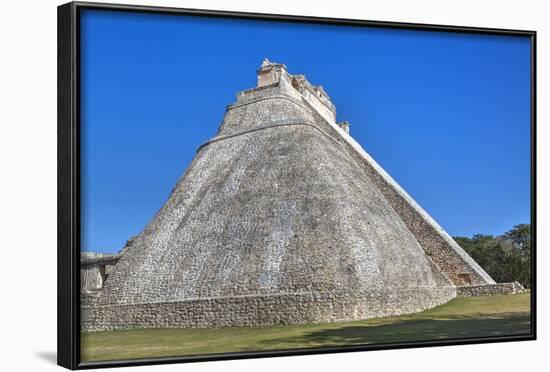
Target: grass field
(461,317)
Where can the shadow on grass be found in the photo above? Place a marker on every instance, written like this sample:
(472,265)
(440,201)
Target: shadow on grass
(451,327)
(147,343)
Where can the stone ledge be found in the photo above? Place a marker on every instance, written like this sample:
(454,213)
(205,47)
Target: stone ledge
(489,289)
(292,308)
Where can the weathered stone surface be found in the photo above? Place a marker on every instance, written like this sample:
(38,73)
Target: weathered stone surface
(489,289)
(281,308)
(94,269)
(281,218)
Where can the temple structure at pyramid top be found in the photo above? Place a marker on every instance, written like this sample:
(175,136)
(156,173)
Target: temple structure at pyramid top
(282,217)
(272,73)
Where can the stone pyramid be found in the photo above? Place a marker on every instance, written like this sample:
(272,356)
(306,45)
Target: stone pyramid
(282,217)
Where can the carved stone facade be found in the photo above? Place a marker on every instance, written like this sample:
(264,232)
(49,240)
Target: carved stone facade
(282,218)
(94,270)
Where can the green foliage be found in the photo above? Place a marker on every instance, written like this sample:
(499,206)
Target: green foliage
(506,258)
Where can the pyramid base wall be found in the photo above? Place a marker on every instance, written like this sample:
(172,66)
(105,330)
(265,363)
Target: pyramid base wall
(489,289)
(293,308)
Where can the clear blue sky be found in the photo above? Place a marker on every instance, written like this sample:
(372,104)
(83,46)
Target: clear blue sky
(447,115)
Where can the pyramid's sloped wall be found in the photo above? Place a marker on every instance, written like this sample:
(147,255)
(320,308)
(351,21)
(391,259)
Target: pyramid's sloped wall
(282,209)
(286,308)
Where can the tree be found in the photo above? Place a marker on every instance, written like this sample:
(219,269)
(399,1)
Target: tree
(506,258)
(520,235)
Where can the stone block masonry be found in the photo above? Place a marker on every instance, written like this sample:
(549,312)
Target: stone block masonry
(284,308)
(489,289)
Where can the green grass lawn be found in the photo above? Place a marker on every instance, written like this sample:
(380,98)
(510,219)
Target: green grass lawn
(462,317)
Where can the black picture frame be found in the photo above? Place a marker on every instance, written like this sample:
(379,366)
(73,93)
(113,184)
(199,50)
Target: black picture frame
(68,215)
